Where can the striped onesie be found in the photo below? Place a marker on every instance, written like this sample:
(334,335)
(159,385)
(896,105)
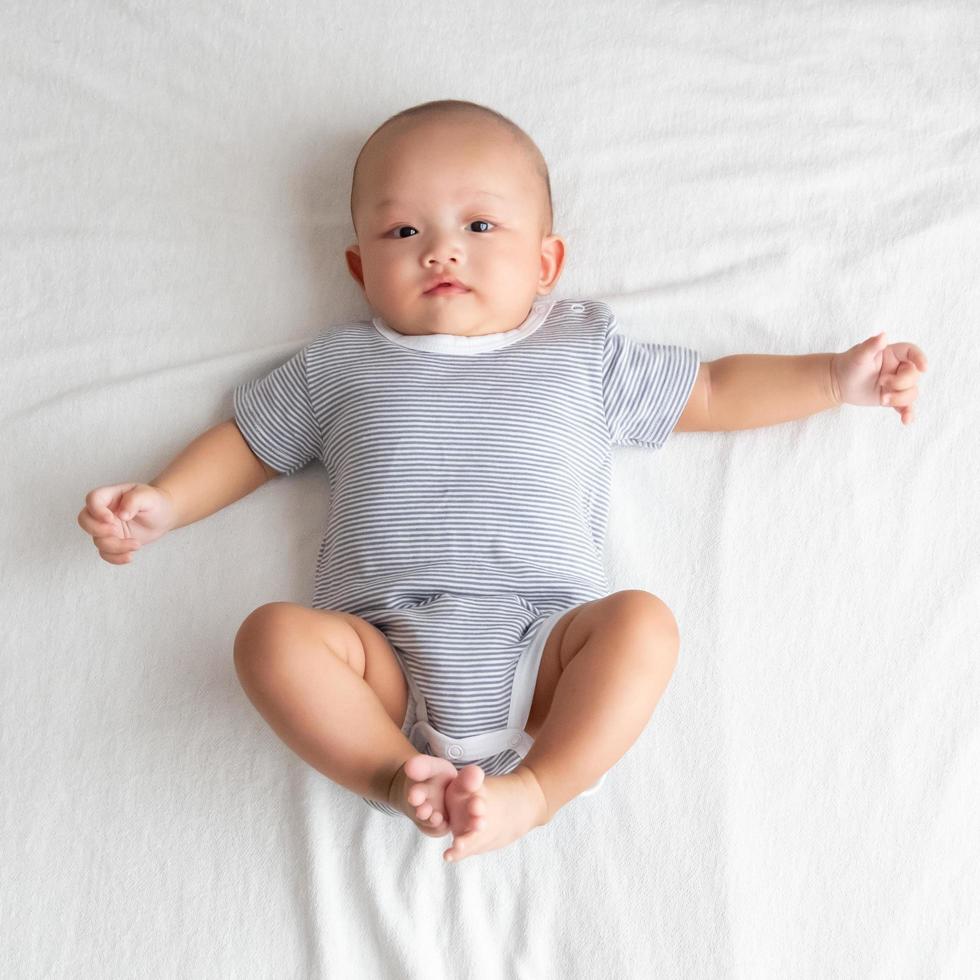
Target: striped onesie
(468,493)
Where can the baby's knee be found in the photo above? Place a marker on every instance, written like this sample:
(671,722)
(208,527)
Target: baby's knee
(639,611)
(260,625)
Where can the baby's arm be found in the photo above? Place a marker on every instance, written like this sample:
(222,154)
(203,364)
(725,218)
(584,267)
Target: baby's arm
(749,390)
(215,470)
(752,390)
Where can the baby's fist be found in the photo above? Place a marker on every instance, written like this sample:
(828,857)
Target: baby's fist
(873,373)
(123,517)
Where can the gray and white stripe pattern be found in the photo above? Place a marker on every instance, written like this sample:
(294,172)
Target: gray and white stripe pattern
(468,480)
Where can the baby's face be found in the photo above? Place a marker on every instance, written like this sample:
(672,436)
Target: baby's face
(451,199)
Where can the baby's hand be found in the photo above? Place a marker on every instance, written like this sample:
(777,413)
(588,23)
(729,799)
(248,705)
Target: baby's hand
(871,373)
(125,516)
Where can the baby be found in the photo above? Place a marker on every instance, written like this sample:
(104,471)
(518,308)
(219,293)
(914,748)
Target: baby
(464,662)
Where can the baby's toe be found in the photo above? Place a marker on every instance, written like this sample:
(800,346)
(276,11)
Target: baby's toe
(471,778)
(422,767)
(460,848)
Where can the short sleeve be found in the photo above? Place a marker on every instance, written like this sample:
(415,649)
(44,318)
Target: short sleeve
(645,388)
(276,418)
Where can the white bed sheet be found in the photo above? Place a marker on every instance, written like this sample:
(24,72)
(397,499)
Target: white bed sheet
(751,178)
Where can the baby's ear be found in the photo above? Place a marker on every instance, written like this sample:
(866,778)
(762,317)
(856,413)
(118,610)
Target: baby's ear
(353,256)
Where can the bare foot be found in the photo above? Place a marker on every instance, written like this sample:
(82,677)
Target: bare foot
(487,812)
(418,790)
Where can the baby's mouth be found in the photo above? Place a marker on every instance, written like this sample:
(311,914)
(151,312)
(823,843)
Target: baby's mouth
(446,289)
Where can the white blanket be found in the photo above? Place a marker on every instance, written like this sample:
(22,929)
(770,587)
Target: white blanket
(779,178)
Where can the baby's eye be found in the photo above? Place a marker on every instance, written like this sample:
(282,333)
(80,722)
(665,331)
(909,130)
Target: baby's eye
(397,232)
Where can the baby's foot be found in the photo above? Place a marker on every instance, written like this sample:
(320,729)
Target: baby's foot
(418,790)
(487,812)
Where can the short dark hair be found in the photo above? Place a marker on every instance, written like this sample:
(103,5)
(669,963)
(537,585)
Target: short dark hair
(446,107)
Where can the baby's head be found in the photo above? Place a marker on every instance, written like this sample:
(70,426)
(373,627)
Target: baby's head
(454,190)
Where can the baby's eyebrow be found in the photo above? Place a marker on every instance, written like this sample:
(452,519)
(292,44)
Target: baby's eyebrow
(390,200)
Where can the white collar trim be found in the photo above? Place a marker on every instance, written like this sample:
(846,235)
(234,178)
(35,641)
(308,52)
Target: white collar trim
(447,343)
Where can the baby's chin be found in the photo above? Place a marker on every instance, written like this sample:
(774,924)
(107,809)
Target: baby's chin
(442,321)
(469,324)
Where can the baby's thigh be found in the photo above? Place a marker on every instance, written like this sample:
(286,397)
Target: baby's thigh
(379,666)
(278,630)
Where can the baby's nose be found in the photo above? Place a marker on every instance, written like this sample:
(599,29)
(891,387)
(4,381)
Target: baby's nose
(443,250)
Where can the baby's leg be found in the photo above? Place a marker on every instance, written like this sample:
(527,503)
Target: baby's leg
(612,663)
(329,685)
(603,670)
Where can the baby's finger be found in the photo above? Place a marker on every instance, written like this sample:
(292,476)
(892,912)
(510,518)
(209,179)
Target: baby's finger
(116,559)
(96,525)
(116,546)
(90,525)
(902,379)
(916,355)
(900,398)
(97,515)
(99,502)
